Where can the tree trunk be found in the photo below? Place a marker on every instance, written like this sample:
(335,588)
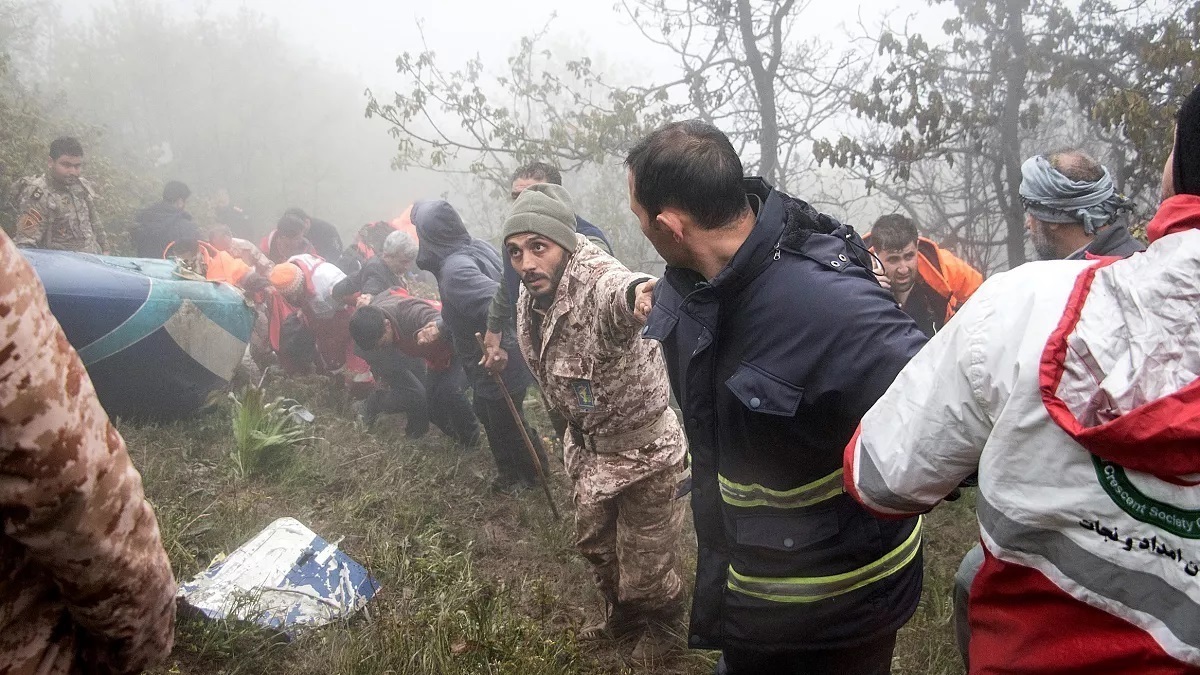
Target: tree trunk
(764,87)
(1016,72)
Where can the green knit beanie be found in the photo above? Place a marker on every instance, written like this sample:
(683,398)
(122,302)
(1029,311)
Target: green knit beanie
(543,209)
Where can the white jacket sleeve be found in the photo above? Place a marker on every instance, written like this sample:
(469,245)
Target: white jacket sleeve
(925,435)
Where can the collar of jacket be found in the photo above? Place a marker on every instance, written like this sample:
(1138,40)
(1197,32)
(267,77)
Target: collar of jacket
(750,259)
(1109,240)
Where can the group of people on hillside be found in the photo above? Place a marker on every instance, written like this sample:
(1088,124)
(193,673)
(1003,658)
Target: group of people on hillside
(833,388)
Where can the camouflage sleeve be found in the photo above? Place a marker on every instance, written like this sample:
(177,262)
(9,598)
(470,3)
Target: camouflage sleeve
(614,290)
(30,214)
(97,224)
(500,313)
(70,495)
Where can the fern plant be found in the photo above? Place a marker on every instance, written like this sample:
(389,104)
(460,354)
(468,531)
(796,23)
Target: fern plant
(264,432)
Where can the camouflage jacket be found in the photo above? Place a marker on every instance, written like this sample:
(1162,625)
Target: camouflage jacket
(595,369)
(85,586)
(56,217)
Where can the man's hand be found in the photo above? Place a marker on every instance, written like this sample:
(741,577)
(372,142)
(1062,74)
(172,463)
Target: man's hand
(363,300)
(879,275)
(429,334)
(495,358)
(643,300)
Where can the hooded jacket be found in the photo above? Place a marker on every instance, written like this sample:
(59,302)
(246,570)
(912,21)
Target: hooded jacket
(1082,418)
(160,224)
(468,273)
(950,279)
(773,362)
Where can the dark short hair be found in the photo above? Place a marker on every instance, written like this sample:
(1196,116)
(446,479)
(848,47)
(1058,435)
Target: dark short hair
(367,326)
(541,171)
(290,224)
(175,190)
(690,166)
(893,232)
(66,145)
(298,212)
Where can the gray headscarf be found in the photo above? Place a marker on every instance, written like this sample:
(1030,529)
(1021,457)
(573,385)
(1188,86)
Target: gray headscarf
(1053,198)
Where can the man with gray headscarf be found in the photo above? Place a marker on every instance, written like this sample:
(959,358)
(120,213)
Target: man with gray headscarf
(384,271)
(1071,206)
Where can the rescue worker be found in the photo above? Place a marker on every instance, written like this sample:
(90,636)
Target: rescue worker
(164,222)
(85,585)
(57,210)
(287,240)
(222,239)
(424,381)
(384,271)
(322,234)
(312,325)
(501,312)
(777,338)
(1072,207)
(468,272)
(1080,419)
(928,282)
(368,242)
(577,329)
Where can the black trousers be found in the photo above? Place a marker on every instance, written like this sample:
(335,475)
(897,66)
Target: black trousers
(449,409)
(504,438)
(872,658)
(423,396)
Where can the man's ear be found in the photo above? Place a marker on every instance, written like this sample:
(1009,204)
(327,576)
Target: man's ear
(672,221)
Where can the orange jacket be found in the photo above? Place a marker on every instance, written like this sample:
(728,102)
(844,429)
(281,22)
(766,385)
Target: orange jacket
(219,265)
(948,275)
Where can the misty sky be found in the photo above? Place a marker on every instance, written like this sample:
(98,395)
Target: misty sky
(365,36)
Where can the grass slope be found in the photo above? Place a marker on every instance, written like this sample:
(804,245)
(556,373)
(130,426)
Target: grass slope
(472,582)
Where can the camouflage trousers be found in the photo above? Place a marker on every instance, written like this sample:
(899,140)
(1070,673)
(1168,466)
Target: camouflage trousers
(631,538)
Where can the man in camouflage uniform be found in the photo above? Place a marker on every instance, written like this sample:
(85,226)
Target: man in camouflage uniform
(57,209)
(85,586)
(624,448)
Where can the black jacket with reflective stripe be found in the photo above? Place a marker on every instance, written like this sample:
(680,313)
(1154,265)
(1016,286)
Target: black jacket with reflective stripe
(774,362)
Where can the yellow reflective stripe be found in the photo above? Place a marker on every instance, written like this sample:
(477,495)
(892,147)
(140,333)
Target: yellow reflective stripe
(739,494)
(813,589)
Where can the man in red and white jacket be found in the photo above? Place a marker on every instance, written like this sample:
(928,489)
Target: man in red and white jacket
(1072,387)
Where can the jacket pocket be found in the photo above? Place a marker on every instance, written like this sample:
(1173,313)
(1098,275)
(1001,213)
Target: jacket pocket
(660,325)
(762,392)
(787,533)
(571,368)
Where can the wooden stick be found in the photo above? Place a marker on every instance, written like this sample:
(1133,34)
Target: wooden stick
(533,455)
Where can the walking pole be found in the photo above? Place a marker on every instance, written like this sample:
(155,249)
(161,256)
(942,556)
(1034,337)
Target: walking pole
(512,408)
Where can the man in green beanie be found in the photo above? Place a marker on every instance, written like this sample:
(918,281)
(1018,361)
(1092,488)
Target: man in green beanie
(578,329)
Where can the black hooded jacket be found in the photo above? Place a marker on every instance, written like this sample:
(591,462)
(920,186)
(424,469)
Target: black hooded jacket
(468,272)
(160,224)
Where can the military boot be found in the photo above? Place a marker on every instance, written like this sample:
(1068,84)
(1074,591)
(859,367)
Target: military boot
(656,642)
(617,623)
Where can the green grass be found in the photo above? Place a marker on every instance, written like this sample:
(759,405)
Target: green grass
(472,582)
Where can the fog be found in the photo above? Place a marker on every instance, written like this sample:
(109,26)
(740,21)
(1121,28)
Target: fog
(267,100)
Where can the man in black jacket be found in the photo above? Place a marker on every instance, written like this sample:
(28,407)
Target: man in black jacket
(383,271)
(1072,208)
(164,222)
(777,339)
(468,273)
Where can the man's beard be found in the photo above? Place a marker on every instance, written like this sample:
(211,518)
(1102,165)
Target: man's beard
(1042,245)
